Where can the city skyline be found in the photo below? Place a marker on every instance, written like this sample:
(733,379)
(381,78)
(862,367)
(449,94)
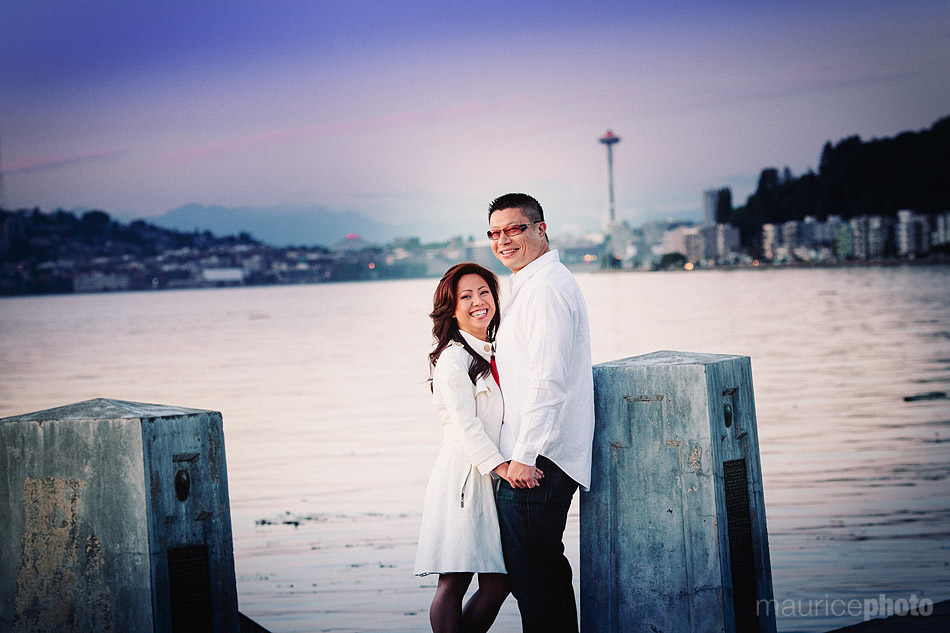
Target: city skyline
(417,111)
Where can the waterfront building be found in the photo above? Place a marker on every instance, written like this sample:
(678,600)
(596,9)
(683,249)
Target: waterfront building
(790,235)
(859,234)
(771,240)
(906,236)
(695,244)
(585,251)
(728,241)
(880,232)
(652,234)
(872,236)
(941,231)
(101,282)
(620,243)
(827,231)
(708,238)
(912,234)
(230,276)
(674,240)
(808,231)
(704,245)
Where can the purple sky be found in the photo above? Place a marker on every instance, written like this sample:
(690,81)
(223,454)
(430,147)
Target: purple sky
(424,111)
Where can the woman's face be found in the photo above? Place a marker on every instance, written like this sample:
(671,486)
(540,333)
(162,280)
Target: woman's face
(475,306)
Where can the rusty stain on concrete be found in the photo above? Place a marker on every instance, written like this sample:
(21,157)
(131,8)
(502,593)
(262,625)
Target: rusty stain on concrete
(59,582)
(695,458)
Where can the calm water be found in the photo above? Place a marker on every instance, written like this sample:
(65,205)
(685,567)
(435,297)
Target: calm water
(330,432)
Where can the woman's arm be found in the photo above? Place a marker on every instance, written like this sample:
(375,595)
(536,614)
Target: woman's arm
(458,396)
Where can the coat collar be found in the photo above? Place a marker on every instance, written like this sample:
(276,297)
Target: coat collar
(483,348)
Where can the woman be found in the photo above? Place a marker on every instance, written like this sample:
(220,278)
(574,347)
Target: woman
(459,535)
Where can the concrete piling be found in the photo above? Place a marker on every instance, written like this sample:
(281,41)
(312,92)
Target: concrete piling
(673,534)
(114,516)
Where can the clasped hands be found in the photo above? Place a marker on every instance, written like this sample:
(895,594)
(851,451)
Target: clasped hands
(519,475)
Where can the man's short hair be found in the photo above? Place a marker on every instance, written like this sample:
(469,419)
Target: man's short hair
(530,207)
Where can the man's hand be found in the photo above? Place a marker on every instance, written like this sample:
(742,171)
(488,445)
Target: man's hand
(523,476)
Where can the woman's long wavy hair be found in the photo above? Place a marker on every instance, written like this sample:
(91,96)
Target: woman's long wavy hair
(445,328)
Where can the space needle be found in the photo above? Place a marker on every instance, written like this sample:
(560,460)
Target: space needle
(610,140)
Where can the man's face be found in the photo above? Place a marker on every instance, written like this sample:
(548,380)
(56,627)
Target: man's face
(517,251)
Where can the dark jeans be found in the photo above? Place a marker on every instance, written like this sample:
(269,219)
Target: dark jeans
(532,524)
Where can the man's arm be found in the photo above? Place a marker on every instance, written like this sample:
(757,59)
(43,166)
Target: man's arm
(549,339)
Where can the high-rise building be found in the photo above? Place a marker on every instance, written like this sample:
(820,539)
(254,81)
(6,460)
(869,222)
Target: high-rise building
(710,206)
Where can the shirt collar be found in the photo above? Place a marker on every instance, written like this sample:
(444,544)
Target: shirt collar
(519,278)
(481,347)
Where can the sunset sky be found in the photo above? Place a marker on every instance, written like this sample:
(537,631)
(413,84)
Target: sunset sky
(425,110)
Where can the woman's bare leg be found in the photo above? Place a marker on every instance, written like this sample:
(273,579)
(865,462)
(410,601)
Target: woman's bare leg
(482,608)
(445,614)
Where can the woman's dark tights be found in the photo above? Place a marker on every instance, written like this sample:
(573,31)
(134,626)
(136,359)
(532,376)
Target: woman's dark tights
(446,614)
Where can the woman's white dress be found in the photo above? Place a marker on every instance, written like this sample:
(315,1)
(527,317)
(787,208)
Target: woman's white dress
(459,530)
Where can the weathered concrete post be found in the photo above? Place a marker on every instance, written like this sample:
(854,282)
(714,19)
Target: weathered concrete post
(114,516)
(673,535)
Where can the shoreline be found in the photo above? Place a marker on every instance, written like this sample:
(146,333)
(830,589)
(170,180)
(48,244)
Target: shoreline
(892,262)
(862,264)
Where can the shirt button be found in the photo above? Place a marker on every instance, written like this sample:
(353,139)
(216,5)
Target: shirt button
(487,347)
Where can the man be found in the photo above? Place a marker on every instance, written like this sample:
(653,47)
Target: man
(543,360)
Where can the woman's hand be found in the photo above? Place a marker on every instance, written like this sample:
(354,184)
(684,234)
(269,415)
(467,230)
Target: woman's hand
(519,475)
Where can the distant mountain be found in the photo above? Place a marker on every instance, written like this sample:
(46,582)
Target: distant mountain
(283,226)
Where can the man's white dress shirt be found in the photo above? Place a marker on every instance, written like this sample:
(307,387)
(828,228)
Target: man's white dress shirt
(543,358)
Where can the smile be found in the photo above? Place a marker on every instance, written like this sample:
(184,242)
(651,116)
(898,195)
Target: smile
(479,313)
(508,251)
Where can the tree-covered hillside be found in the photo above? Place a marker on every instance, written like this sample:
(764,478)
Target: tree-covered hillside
(855,178)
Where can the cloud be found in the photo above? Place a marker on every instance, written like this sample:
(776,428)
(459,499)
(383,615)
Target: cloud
(395,120)
(49,163)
